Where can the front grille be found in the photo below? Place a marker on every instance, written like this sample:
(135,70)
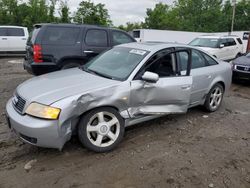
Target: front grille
(18,103)
(243,68)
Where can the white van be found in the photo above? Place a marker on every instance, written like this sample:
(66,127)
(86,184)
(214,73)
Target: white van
(13,39)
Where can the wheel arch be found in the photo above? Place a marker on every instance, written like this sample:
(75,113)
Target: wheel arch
(69,59)
(94,108)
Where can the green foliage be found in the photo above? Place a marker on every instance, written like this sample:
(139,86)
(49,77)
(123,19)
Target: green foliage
(188,15)
(28,13)
(199,15)
(64,12)
(89,13)
(131,26)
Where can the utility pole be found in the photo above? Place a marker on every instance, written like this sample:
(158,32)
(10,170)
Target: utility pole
(233,17)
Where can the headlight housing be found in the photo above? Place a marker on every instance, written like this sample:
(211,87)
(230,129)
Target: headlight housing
(43,111)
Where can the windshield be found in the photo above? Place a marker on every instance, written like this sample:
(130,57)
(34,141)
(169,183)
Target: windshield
(205,42)
(117,63)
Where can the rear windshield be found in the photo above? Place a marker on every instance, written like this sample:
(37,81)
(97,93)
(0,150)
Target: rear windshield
(13,32)
(60,35)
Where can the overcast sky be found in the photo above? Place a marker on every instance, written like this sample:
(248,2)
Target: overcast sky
(122,11)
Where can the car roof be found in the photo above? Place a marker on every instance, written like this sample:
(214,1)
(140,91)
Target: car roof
(73,25)
(153,46)
(218,37)
(77,25)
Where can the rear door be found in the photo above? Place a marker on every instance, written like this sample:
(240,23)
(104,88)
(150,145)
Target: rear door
(201,77)
(4,42)
(171,94)
(223,53)
(233,48)
(95,41)
(17,39)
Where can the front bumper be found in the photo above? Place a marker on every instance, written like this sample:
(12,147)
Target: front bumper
(241,75)
(35,131)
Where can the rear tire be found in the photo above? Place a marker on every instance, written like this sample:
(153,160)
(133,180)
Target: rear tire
(101,129)
(214,98)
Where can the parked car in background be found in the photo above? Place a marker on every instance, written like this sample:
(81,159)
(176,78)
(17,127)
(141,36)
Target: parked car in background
(241,67)
(61,46)
(128,84)
(224,48)
(13,40)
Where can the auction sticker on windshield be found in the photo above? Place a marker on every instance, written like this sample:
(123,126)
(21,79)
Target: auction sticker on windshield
(138,52)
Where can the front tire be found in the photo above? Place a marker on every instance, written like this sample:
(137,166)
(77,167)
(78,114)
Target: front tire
(214,98)
(101,130)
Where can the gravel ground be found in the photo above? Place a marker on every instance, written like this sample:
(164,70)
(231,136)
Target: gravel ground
(196,149)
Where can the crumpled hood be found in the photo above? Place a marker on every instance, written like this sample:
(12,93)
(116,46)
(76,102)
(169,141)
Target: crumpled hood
(49,88)
(243,60)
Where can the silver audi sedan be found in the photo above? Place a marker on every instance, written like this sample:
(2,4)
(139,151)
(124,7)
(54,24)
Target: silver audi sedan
(128,84)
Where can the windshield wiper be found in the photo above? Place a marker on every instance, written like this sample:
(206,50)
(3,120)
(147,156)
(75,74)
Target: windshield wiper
(97,73)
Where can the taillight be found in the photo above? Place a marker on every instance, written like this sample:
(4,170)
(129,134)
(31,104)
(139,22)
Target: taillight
(37,53)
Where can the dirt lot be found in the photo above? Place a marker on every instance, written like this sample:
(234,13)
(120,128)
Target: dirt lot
(190,150)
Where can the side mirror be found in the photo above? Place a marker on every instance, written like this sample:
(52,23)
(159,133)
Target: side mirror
(150,77)
(222,45)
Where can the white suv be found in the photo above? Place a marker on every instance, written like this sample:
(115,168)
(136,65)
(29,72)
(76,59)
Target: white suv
(13,39)
(224,48)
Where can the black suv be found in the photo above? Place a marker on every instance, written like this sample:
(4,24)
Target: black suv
(54,47)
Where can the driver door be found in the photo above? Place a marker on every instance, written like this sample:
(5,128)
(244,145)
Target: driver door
(170,94)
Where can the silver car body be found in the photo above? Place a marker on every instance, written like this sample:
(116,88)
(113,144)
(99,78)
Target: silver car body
(76,92)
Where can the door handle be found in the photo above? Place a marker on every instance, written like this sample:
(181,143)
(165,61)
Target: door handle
(4,38)
(88,51)
(186,87)
(209,76)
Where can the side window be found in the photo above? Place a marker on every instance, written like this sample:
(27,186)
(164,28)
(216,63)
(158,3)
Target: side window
(183,60)
(197,60)
(231,42)
(15,32)
(225,42)
(3,32)
(164,66)
(60,35)
(210,60)
(239,40)
(96,37)
(120,38)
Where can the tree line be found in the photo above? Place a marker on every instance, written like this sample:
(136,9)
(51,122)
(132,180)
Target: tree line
(196,15)
(186,15)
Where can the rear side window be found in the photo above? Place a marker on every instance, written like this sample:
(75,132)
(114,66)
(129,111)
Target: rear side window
(239,40)
(231,42)
(210,60)
(197,60)
(3,32)
(33,35)
(96,37)
(120,38)
(183,60)
(15,32)
(60,35)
